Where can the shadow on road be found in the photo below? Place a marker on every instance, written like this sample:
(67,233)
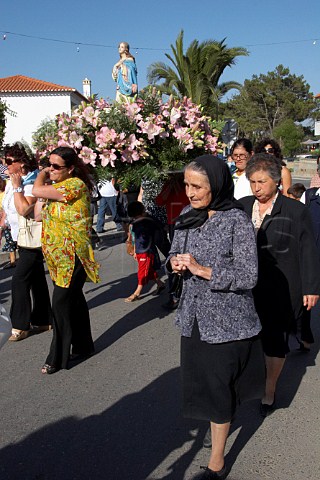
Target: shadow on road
(128,441)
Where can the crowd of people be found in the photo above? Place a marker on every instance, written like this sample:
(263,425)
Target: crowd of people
(242,259)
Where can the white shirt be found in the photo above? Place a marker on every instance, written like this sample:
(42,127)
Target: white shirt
(303,197)
(106,189)
(241,186)
(10,209)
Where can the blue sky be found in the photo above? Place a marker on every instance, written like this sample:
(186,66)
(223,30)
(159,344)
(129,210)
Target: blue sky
(291,26)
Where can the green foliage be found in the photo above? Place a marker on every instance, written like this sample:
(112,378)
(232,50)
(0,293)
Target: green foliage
(44,133)
(196,73)
(289,136)
(267,100)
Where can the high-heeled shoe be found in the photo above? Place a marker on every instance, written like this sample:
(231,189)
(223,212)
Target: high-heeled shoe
(211,475)
(266,410)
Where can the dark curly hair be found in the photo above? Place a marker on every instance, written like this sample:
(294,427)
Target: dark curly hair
(71,159)
(260,148)
(18,152)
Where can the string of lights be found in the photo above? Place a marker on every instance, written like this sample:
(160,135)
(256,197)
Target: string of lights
(78,44)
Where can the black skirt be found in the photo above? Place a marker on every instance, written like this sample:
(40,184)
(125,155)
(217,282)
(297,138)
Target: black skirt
(218,377)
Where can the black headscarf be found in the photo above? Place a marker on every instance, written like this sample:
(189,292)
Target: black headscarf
(222,189)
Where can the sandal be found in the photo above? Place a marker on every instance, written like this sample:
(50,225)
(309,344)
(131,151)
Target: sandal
(132,298)
(48,369)
(17,335)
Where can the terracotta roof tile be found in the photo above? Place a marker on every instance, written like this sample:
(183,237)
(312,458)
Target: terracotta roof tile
(20,83)
(318,95)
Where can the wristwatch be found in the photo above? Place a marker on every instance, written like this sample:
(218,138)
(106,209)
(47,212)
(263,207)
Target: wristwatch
(18,190)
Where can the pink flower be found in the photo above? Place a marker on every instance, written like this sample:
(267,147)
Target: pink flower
(91,115)
(175,114)
(105,137)
(151,129)
(75,139)
(132,110)
(211,143)
(88,155)
(108,157)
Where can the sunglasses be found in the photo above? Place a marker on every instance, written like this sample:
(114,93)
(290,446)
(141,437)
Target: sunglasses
(269,150)
(55,166)
(9,161)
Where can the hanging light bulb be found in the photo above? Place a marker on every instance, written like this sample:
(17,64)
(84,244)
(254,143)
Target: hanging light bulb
(78,49)
(314,42)
(4,37)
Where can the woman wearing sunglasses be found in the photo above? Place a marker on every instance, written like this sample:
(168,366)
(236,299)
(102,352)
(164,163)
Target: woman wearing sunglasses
(271,147)
(29,276)
(65,187)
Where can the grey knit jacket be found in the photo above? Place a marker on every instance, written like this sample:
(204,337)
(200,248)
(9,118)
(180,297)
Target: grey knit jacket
(223,306)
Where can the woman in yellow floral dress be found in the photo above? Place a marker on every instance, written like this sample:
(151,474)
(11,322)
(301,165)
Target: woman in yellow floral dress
(68,253)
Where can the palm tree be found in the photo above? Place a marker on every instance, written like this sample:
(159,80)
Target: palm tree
(197,73)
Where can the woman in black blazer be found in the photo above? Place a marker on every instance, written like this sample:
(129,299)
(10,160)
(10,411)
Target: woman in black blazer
(289,266)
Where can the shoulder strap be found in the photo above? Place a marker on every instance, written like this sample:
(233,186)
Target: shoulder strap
(185,242)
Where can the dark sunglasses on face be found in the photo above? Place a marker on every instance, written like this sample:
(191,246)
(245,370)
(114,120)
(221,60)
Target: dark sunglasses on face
(269,150)
(55,166)
(10,161)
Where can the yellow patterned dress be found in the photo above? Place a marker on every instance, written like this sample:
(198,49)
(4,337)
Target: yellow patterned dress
(66,233)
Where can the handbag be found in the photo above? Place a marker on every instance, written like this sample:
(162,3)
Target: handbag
(130,245)
(177,278)
(29,235)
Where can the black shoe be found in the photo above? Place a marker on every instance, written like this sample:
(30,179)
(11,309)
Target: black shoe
(211,475)
(9,265)
(101,231)
(207,442)
(171,305)
(266,410)
(80,356)
(48,369)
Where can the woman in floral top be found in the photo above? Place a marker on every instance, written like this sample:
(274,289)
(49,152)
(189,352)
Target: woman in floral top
(68,252)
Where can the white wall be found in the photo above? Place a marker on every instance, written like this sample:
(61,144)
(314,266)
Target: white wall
(31,109)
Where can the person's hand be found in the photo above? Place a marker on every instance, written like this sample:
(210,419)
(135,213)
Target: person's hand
(176,266)
(187,261)
(310,301)
(16,179)
(118,64)
(134,88)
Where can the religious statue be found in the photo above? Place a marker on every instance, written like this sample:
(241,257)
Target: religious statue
(124,73)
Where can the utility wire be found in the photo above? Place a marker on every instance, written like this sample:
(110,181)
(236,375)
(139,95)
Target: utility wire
(5,33)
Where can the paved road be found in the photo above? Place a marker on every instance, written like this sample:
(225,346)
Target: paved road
(117,415)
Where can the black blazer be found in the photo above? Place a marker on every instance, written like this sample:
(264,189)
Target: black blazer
(313,204)
(289,265)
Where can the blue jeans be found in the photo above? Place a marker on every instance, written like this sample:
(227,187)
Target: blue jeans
(105,202)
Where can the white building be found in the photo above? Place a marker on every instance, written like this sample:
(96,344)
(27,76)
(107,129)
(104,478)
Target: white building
(32,101)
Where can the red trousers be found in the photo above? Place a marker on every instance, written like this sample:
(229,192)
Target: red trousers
(145,268)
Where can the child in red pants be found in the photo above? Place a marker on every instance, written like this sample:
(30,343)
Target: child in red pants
(143,231)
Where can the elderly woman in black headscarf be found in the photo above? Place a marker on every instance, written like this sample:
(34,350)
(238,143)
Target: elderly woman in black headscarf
(221,355)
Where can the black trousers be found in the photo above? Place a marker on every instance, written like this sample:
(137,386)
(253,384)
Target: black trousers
(28,281)
(71,321)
